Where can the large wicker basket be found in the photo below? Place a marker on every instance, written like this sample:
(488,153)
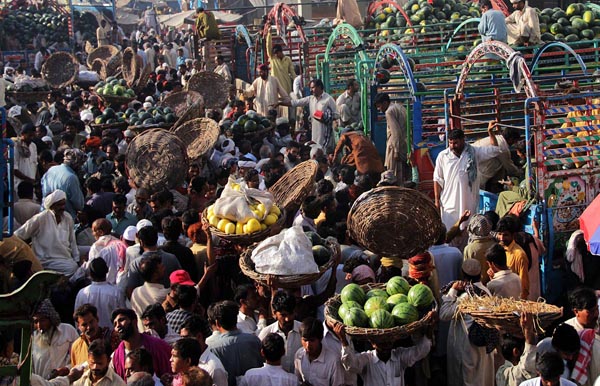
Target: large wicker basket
(113,66)
(179,102)
(199,136)
(193,112)
(60,69)
(284,281)
(504,314)
(377,334)
(103,52)
(213,88)
(142,81)
(156,159)
(394,222)
(295,185)
(130,66)
(245,240)
(28,96)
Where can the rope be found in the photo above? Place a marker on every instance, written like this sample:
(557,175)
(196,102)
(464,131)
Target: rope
(486,122)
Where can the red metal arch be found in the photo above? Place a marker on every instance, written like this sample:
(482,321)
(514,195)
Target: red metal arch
(502,51)
(376,4)
(281,15)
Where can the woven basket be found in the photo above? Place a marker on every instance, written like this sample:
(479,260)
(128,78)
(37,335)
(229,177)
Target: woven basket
(394,222)
(113,66)
(115,99)
(283,281)
(102,52)
(99,66)
(509,322)
(28,96)
(179,102)
(142,81)
(130,66)
(377,334)
(195,111)
(213,88)
(199,136)
(156,159)
(295,185)
(141,128)
(107,126)
(60,69)
(245,240)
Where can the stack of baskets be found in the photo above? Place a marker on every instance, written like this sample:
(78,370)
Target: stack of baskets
(213,88)
(199,136)
(377,334)
(130,66)
(394,222)
(157,159)
(181,101)
(295,185)
(60,69)
(285,281)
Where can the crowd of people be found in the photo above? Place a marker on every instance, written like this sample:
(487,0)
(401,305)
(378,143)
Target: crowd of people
(150,296)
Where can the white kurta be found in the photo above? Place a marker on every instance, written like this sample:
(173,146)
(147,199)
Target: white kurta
(452,175)
(210,363)
(524,23)
(26,165)
(349,108)
(53,244)
(267,93)
(57,354)
(468,365)
(322,134)
(112,251)
(223,70)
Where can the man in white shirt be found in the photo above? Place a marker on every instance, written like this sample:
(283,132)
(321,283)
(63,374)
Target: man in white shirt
(283,307)
(52,235)
(109,248)
(519,356)
(197,328)
(523,25)
(584,304)
(333,343)
(271,374)
(267,91)
(504,282)
(99,372)
(25,155)
(51,340)
(348,104)
(497,168)
(316,365)
(549,367)
(222,68)
(247,298)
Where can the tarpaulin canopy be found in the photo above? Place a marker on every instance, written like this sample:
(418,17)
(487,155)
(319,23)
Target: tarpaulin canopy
(189,17)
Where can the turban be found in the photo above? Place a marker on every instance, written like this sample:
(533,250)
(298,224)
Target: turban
(194,229)
(228,146)
(93,142)
(46,309)
(420,266)
(247,164)
(479,227)
(281,121)
(362,272)
(14,111)
(130,233)
(73,156)
(53,198)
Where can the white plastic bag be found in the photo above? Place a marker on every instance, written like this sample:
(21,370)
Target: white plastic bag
(235,204)
(288,253)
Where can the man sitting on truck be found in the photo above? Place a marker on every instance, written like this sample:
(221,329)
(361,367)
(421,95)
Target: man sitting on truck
(523,25)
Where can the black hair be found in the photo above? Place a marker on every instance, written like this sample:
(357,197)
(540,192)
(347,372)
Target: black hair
(509,343)
(241,292)
(148,235)
(25,189)
(381,98)
(324,187)
(128,312)
(283,302)
(350,83)
(197,325)
(149,266)
(99,348)
(312,328)
(511,133)
(485,3)
(583,298)
(143,358)
(549,365)
(317,82)
(492,217)
(456,134)
(565,339)
(93,184)
(171,227)
(154,311)
(353,262)
(497,255)
(85,309)
(197,183)
(190,217)
(98,269)
(188,348)
(186,296)
(225,312)
(507,224)
(273,347)
(119,199)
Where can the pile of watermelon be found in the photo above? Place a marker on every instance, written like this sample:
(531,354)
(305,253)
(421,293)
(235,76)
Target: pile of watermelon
(578,22)
(399,304)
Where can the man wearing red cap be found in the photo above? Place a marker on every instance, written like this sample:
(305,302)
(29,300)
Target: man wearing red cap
(93,145)
(267,91)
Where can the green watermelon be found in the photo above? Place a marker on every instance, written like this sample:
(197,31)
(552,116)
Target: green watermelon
(356,318)
(373,304)
(396,299)
(397,285)
(405,313)
(377,293)
(345,307)
(353,292)
(382,319)
(420,296)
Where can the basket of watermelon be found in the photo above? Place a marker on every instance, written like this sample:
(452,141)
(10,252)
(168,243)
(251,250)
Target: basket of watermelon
(383,311)
(325,253)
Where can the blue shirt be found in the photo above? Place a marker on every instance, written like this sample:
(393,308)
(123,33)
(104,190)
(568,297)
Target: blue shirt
(238,351)
(180,61)
(119,225)
(492,26)
(64,178)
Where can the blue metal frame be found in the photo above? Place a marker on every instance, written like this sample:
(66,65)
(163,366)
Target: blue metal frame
(6,170)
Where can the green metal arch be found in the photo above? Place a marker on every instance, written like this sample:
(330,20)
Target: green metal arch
(460,26)
(345,29)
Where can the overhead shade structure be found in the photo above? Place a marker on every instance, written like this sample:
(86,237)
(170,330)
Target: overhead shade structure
(589,223)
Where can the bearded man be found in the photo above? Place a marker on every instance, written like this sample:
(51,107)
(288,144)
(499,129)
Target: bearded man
(99,372)
(51,341)
(52,235)
(86,317)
